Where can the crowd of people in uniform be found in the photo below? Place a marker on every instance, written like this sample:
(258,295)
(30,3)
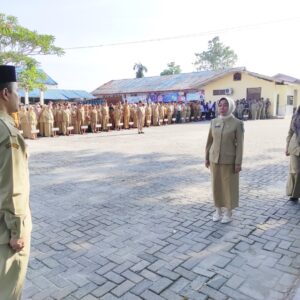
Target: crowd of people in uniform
(253,109)
(223,156)
(75,118)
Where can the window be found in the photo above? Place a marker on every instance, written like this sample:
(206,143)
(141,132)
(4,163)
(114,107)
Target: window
(237,76)
(290,100)
(219,92)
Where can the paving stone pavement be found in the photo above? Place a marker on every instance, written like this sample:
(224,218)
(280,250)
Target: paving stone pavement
(125,216)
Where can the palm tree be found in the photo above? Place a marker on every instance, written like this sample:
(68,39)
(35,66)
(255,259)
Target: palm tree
(140,69)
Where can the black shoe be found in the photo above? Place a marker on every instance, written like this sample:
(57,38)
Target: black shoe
(142,132)
(293,199)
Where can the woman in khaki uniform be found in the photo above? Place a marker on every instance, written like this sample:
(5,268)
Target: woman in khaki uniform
(293,150)
(148,114)
(32,122)
(48,121)
(24,121)
(223,155)
(94,119)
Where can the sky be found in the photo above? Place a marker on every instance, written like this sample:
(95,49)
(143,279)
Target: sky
(264,34)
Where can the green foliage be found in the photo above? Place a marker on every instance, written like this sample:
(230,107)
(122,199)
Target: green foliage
(17,46)
(218,56)
(140,69)
(31,78)
(172,69)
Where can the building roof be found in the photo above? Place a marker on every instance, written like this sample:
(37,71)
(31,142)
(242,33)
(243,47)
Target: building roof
(58,94)
(286,78)
(48,80)
(169,83)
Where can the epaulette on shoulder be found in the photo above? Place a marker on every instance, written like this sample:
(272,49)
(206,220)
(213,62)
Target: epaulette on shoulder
(4,130)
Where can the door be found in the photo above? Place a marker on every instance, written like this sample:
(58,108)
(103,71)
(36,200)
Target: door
(254,93)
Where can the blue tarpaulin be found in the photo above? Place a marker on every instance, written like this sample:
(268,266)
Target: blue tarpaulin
(48,80)
(58,94)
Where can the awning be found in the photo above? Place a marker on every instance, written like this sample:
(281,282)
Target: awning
(58,94)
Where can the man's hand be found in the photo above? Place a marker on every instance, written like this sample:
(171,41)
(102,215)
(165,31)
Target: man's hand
(287,153)
(237,168)
(16,244)
(207,164)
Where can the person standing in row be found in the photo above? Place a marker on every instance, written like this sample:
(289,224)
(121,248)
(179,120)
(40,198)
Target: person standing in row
(140,117)
(15,216)
(223,155)
(293,151)
(126,111)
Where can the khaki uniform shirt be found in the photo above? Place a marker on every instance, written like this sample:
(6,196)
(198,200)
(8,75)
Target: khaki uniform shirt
(225,141)
(15,217)
(292,144)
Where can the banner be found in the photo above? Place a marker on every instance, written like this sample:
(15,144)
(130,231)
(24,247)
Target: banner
(196,96)
(170,97)
(136,99)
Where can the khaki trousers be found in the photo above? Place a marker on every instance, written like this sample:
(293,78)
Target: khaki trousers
(13,267)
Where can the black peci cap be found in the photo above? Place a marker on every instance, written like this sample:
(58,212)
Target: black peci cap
(7,74)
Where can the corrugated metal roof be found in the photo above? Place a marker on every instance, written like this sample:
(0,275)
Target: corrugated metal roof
(58,94)
(286,78)
(47,81)
(168,83)
(175,82)
(54,94)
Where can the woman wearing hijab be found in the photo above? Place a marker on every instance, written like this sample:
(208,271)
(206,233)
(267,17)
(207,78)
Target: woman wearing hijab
(293,150)
(223,155)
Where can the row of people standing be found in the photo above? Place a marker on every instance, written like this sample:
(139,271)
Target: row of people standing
(62,116)
(253,109)
(37,119)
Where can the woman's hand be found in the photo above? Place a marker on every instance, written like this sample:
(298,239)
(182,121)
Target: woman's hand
(17,244)
(237,168)
(207,164)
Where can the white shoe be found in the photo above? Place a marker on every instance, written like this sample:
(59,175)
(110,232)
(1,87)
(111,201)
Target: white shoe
(226,219)
(216,217)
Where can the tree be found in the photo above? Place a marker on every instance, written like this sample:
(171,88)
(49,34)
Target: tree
(17,46)
(30,78)
(172,69)
(218,56)
(140,69)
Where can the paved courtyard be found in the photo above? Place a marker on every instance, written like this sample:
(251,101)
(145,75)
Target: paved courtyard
(125,216)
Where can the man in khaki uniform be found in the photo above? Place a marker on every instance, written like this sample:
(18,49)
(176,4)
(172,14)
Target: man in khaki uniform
(126,111)
(254,109)
(15,217)
(140,117)
(105,116)
(94,118)
(155,114)
(80,118)
(66,120)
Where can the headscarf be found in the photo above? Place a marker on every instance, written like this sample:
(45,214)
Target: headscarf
(231,107)
(295,124)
